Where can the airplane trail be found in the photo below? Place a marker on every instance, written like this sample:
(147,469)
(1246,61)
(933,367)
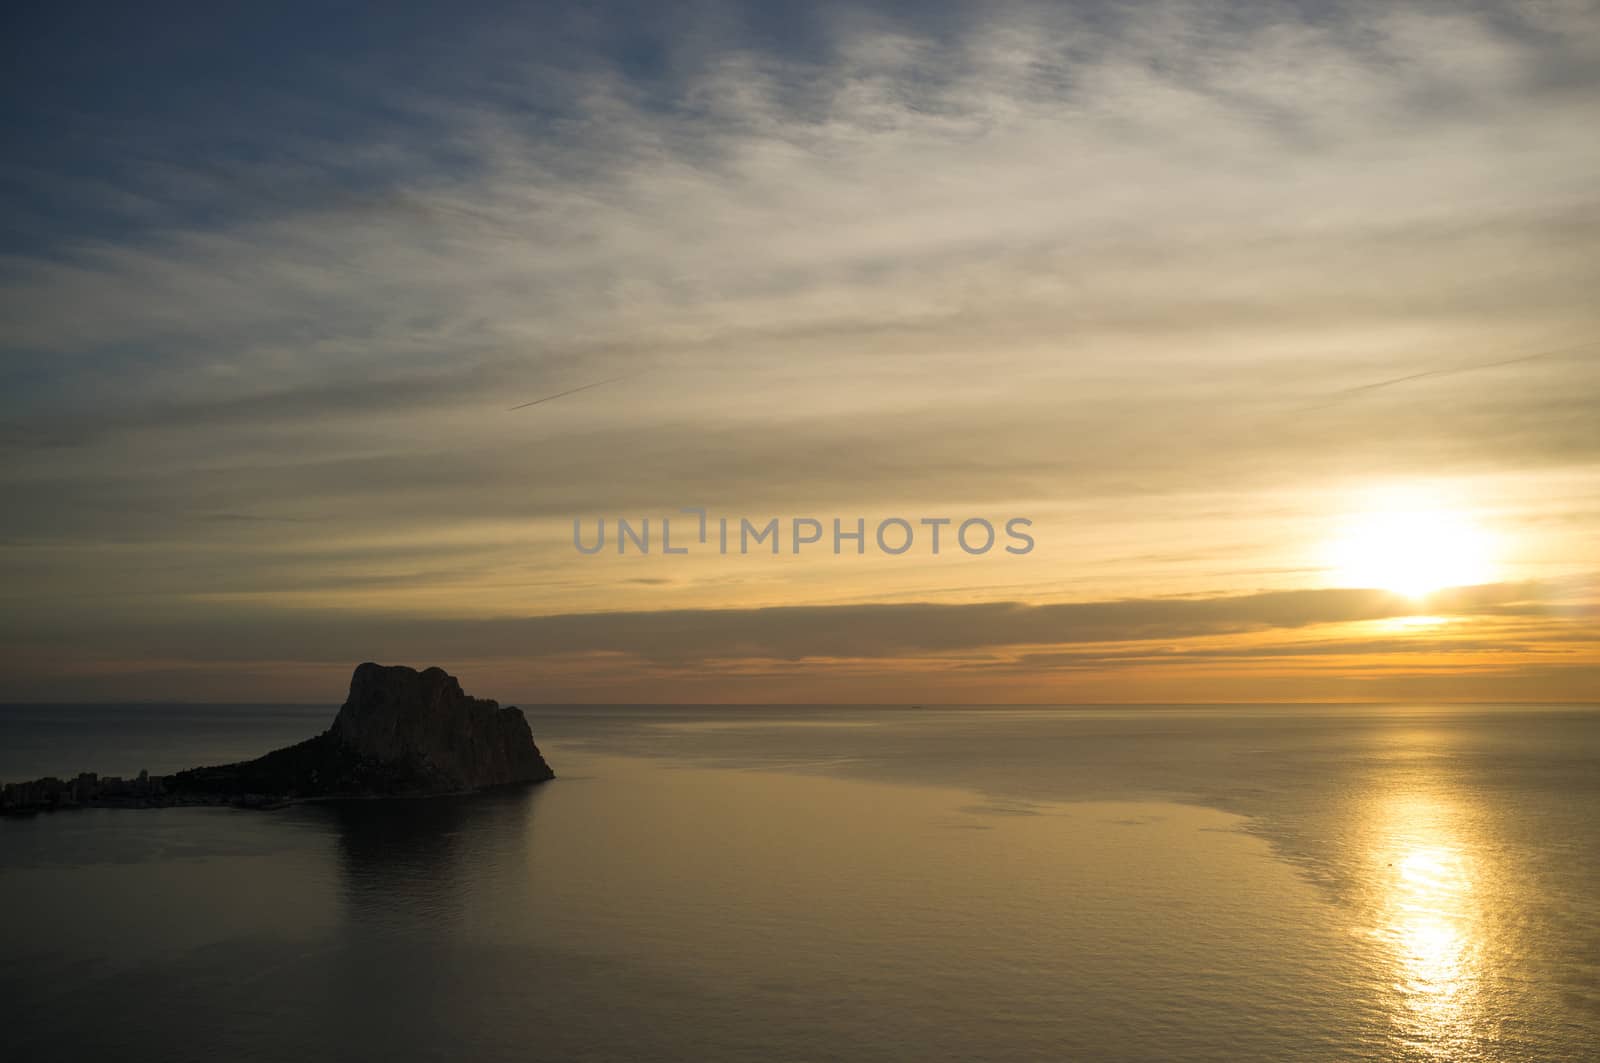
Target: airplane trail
(1426,374)
(573,391)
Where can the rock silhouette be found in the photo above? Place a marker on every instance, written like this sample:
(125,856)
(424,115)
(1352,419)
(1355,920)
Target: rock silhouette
(400,715)
(400,733)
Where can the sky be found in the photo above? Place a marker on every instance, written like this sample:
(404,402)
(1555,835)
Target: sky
(321,325)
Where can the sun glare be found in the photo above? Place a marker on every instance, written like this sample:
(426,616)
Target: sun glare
(1412,552)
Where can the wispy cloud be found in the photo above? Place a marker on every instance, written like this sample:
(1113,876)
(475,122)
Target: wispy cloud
(858,259)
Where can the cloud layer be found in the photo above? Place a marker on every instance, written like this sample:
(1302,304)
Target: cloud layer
(1131,272)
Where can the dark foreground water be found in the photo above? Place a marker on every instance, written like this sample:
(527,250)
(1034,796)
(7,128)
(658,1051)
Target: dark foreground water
(829,884)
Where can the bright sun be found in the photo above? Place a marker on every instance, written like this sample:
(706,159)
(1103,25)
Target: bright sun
(1412,552)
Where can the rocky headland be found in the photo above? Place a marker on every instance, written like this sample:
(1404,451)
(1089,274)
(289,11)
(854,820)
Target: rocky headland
(400,733)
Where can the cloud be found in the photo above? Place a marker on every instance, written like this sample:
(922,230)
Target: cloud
(908,258)
(900,629)
(1519,642)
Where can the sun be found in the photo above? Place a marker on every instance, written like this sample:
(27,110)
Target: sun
(1412,551)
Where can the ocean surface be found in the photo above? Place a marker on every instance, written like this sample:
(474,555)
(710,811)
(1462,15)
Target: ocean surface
(1130,883)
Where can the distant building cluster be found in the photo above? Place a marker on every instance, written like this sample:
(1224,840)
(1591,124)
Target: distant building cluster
(88,788)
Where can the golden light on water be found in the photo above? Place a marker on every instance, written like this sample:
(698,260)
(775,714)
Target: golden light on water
(1431,929)
(1432,881)
(1412,550)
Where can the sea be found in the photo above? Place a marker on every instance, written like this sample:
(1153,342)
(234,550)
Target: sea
(808,883)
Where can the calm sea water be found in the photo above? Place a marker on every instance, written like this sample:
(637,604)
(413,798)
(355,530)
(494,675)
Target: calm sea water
(1224,883)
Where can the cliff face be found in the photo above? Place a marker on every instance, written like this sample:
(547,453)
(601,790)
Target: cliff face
(397,715)
(400,734)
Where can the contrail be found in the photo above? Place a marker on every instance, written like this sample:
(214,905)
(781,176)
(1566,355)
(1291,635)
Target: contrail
(1453,370)
(573,391)
(1466,368)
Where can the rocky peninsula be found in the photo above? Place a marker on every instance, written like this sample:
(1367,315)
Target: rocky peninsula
(400,733)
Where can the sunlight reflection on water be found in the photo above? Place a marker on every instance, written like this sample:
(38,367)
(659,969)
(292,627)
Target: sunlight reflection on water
(1342,884)
(1432,927)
